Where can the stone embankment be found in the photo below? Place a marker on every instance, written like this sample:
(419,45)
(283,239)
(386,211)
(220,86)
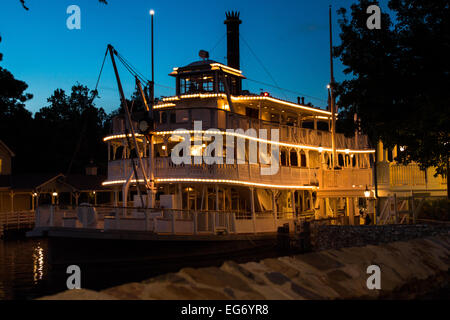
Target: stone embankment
(409,269)
(324,237)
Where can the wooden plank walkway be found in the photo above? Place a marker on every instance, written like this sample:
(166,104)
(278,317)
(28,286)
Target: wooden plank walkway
(14,221)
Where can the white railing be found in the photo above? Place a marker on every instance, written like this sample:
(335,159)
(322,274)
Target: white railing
(164,168)
(346,178)
(165,221)
(407,175)
(400,176)
(122,169)
(16,220)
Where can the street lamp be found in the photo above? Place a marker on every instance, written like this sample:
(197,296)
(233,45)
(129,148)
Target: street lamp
(152,82)
(367,192)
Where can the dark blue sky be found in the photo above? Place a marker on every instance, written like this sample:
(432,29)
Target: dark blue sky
(289,37)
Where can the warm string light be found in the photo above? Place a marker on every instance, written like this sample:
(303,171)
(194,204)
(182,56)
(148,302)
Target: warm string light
(121,136)
(249,98)
(164,105)
(219,65)
(211,132)
(265,141)
(224,181)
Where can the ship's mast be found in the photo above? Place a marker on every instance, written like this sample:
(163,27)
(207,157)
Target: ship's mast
(112,52)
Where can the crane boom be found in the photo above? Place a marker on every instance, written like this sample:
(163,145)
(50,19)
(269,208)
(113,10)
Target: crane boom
(113,52)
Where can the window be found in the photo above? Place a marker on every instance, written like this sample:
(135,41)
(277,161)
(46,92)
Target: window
(294,159)
(173,117)
(275,117)
(182,116)
(308,124)
(163,117)
(322,126)
(283,158)
(197,83)
(252,113)
(340,160)
(303,159)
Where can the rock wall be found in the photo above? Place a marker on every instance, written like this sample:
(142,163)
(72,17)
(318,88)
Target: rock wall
(409,269)
(325,237)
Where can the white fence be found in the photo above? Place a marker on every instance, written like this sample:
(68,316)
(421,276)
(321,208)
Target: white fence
(164,221)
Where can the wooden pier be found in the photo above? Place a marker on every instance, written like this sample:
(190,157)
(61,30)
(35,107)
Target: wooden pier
(16,221)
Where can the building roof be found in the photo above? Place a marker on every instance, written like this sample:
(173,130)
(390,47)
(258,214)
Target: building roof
(2,144)
(206,65)
(35,181)
(30,181)
(201,63)
(85,182)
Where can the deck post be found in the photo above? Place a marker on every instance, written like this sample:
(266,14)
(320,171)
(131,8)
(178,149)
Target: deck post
(12,200)
(155,228)
(252,202)
(116,198)
(293,204)
(52,215)
(413,208)
(173,222)
(37,221)
(351,209)
(274,208)
(195,217)
(206,207)
(117,211)
(214,215)
(395,208)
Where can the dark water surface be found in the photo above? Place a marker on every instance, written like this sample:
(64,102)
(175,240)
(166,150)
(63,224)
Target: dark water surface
(25,272)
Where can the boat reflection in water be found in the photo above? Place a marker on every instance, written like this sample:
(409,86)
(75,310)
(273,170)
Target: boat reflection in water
(24,272)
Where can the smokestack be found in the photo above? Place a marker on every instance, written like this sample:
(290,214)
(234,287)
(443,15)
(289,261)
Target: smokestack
(233,54)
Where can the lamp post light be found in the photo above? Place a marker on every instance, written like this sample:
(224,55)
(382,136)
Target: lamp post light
(367,192)
(152,82)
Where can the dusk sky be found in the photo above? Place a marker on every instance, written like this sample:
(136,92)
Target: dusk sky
(290,38)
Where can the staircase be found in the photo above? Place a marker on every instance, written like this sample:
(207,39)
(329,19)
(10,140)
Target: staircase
(400,211)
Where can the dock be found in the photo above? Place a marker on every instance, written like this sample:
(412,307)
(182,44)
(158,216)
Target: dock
(16,221)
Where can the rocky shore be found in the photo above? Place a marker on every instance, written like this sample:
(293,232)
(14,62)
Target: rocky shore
(409,269)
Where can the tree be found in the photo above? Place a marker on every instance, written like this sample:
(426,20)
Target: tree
(15,120)
(135,104)
(26,8)
(400,78)
(71,131)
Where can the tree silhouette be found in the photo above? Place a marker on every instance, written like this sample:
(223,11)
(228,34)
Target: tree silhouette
(26,8)
(71,131)
(15,120)
(400,78)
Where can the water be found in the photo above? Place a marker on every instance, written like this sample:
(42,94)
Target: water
(25,273)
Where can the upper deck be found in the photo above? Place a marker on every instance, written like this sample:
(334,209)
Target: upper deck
(209,98)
